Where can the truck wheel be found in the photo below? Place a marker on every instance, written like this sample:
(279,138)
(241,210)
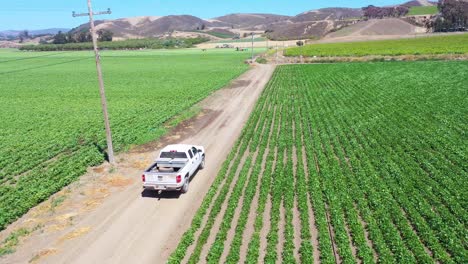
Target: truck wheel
(202,164)
(186,186)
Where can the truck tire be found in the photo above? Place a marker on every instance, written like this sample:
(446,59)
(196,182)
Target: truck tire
(202,164)
(185,188)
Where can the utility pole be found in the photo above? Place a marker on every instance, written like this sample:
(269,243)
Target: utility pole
(302,56)
(276,52)
(252,46)
(110,149)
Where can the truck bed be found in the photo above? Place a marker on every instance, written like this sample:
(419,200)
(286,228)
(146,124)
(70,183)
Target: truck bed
(167,166)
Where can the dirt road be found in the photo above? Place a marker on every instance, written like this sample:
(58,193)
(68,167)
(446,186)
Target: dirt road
(106,218)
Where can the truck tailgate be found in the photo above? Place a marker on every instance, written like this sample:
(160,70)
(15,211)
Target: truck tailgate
(157,178)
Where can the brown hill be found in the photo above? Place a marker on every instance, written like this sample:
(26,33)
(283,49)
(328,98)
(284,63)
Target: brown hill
(328,14)
(148,26)
(171,23)
(314,23)
(304,30)
(250,20)
(9,44)
(378,27)
(419,3)
(311,24)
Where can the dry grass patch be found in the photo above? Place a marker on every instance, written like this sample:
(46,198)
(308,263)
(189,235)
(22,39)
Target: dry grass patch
(42,254)
(76,233)
(118,181)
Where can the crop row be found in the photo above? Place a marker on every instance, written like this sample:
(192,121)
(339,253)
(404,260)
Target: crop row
(374,150)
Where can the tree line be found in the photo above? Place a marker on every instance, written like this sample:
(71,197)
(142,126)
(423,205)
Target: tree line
(24,36)
(453,16)
(131,44)
(382,12)
(81,37)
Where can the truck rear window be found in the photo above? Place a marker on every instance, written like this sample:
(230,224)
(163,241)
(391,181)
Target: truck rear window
(173,155)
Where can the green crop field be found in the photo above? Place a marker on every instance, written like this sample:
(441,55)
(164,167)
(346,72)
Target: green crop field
(218,34)
(51,125)
(423,10)
(451,44)
(344,163)
(223,35)
(242,40)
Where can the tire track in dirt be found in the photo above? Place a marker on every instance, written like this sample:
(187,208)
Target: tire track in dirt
(214,229)
(265,230)
(282,219)
(310,210)
(250,229)
(272,236)
(219,220)
(297,231)
(232,231)
(254,210)
(331,233)
(281,228)
(312,225)
(266,224)
(202,246)
(191,248)
(266,221)
(296,218)
(218,250)
(369,242)
(267,227)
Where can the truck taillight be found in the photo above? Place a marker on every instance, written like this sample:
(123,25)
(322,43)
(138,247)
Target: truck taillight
(178,178)
(143,178)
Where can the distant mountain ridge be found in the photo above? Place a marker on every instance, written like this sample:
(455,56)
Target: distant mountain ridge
(330,13)
(48,31)
(146,26)
(420,3)
(314,23)
(310,24)
(250,20)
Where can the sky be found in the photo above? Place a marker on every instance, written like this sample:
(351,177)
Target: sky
(36,14)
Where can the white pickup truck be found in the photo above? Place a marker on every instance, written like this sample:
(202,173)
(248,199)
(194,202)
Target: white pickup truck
(174,168)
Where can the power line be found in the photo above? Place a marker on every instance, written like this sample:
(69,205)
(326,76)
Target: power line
(35,57)
(90,14)
(42,66)
(252,47)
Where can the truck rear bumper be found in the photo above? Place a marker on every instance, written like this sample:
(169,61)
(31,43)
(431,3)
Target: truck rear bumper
(162,187)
